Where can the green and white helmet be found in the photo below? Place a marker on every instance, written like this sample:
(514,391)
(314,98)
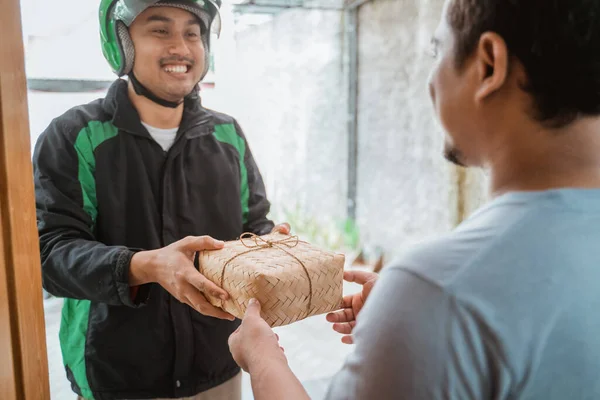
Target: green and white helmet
(116,16)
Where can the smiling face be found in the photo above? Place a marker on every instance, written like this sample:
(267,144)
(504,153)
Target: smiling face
(169,52)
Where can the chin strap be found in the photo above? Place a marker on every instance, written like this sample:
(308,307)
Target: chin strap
(140,90)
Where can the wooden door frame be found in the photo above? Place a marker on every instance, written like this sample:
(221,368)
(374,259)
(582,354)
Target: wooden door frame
(23,355)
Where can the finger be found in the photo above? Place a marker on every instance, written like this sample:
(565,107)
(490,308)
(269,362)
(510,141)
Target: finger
(200,304)
(367,288)
(283,228)
(345,328)
(347,301)
(199,243)
(360,277)
(204,285)
(253,309)
(212,311)
(345,315)
(282,349)
(347,339)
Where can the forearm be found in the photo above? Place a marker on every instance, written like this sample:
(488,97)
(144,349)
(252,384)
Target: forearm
(273,379)
(85,269)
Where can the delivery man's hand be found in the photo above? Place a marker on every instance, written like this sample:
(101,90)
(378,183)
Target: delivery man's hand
(172,267)
(284,229)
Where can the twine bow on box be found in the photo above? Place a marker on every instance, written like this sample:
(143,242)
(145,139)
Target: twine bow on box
(259,243)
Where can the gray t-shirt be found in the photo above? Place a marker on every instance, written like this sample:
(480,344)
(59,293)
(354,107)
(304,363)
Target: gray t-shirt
(507,306)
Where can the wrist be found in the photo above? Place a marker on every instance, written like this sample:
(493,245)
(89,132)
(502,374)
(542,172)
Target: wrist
(142,268)
(266,361)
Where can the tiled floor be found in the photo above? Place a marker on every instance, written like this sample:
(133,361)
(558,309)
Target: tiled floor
(313,349)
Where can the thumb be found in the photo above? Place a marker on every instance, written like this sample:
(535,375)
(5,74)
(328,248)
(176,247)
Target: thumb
(199,243)
(253,308)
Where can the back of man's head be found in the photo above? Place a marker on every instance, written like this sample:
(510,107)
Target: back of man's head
(557,42)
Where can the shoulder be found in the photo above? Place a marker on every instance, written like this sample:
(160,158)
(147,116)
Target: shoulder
(227,130)
(69,125)
(476,247)
(220,118)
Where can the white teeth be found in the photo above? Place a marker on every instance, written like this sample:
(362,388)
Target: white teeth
(180,69)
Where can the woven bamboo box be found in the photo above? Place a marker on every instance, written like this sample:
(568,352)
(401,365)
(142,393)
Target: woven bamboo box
(292,279)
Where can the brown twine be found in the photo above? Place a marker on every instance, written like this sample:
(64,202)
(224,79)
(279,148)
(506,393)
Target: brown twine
(261,243)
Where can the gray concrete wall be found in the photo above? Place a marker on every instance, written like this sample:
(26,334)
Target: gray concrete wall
(291,101)
(406,190)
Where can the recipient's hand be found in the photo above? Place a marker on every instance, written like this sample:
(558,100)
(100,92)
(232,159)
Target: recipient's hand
(345,319)
(254,342)
(172,267)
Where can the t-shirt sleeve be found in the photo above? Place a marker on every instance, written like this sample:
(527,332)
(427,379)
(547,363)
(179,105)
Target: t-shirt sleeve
(414,341)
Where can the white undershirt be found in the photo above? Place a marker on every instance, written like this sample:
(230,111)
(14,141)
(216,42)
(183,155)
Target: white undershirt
(164,137)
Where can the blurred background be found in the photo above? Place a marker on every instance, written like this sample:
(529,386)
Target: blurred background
(332,95)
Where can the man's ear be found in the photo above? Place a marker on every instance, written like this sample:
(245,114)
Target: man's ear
(492,63)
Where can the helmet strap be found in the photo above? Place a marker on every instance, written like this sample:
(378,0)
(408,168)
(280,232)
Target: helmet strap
(141,90)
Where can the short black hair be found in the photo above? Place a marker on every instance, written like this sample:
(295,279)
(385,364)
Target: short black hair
(557,41)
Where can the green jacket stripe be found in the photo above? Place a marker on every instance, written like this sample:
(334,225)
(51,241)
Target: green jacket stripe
(75,313)
(227,133)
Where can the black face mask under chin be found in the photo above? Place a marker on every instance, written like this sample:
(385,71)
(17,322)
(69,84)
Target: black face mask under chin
(141,90)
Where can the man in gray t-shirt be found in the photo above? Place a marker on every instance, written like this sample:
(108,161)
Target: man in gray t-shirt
(504,307)
(507,305)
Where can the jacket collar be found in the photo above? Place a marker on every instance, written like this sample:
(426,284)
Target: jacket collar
(126,117)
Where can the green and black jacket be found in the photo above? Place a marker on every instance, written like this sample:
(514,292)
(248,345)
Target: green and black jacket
(105,189)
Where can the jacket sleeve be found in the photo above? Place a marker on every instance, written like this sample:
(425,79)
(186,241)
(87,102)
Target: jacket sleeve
(74,263)
(258,207)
